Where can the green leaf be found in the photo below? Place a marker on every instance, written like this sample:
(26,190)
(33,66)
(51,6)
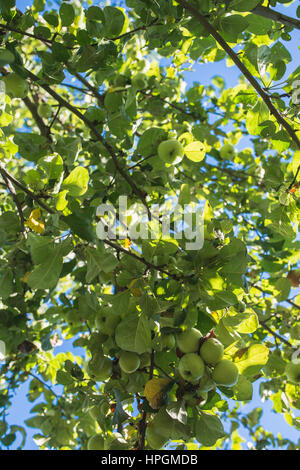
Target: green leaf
(31,146)
(134,334)
(98,261)
(150,140)
(46,275)
(195,151)
(80,223)
(283,286)
(67,14)
(77,181)
(114,21)
(252,360)
(209,429)
(6,283)
(243,390)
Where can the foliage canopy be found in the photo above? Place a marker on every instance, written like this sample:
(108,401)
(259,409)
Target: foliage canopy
(87,96)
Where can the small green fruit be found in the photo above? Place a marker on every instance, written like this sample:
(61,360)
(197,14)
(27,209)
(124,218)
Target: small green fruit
(15,86)
(225,373)
(170,150)
(212,351)
(129,362)
(188,340)
(292,371)
(106,322)
(227,152)
(100,368)
(96,442)
(191,367)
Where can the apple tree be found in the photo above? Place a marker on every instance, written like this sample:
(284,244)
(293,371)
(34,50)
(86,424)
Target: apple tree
(162,345)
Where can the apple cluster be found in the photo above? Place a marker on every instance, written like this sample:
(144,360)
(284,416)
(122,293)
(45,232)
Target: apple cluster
(202,364)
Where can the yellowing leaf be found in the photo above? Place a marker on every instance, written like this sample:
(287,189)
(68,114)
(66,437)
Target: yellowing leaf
(195,151)
(296,161)
(154,390)
(33,222)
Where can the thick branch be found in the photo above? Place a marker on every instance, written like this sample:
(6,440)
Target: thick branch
(194,12)
(276,16)
(16,200)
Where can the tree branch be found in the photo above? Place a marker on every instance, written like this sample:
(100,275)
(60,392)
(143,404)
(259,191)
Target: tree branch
(276,16)
(16,201)
(26,190)
(194,12)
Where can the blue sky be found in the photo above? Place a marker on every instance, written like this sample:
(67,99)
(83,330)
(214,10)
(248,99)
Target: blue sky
(203,73)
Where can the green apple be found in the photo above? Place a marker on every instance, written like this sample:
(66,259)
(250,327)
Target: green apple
(106,322)
(155,440)
(292,371)
(167,342)
(45,110)
(191,367)
(227,152)
(100,368)
(139,81)
(225,373)
(129,362)
(15,86)
(188,340)
(170,150)
(212,351)
(96,442)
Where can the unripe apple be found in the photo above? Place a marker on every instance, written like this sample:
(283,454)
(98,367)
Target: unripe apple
(100,368)
(104,407)
(227,152)
(116,442)
(96,442)
(106,322)
(167,342)
(155,440)
(170,150)
(15,86)
(191,367)
(139,81)
(188,340)
(225,373)
(45,110)
(212,351)
(129,362)
(292,371)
